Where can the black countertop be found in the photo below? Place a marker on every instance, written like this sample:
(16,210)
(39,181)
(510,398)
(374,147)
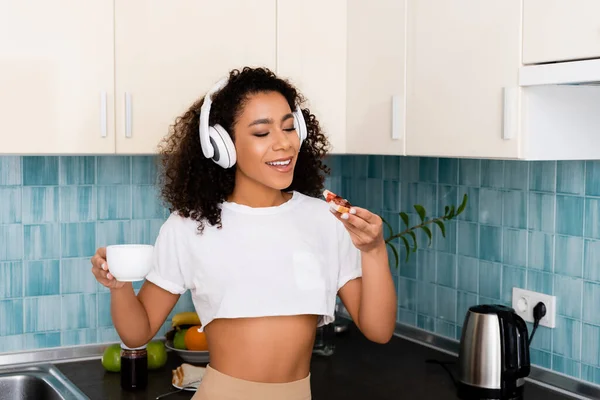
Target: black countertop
(359,369)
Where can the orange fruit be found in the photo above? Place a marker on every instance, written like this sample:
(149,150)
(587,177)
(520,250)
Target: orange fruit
(195,340)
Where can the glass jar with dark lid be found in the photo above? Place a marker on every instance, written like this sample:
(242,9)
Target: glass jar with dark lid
(134,367)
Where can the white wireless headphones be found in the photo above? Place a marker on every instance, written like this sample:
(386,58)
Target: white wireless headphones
(216,142)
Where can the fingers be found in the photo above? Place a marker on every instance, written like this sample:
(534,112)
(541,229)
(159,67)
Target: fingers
(105,278)
(99,260)
(352,220)
(363,213)
(101,252)
(100,275)
(100,270)
(354,231)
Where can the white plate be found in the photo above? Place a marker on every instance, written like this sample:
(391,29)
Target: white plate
(189,389)
(190,356)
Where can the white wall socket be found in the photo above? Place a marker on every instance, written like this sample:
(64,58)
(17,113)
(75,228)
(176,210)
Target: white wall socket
(523,302)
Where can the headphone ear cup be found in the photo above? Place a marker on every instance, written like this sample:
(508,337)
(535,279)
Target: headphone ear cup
(300,125)
(225,155)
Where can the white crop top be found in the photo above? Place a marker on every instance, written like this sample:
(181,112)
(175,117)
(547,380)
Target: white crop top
(284,260)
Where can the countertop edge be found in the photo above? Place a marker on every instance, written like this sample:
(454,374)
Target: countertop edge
(539,376)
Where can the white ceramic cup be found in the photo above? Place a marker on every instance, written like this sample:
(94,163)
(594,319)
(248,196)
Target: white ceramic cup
(129,262)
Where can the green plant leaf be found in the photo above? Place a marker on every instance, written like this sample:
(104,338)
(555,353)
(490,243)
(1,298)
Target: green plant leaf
(414,238)
(427,232)
(404,217)
(395,253)
(462,206)
(446,210)
(407,246)
(388,226)
(421,211)
(441,226)
(452,214)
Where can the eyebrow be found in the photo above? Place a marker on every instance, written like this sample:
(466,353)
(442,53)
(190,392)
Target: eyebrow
(269,120)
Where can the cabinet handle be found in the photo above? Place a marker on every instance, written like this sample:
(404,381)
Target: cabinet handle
(396,123)
(127,114)
(510,126)
(103,124)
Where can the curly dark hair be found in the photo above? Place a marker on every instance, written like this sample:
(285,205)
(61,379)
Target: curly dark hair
(195,186)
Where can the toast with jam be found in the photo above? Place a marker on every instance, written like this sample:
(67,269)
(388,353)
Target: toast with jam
(336,202)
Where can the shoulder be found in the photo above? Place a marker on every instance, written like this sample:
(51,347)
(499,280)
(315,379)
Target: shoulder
(176,224)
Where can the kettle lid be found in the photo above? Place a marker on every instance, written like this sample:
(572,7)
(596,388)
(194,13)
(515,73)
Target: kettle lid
(491,309)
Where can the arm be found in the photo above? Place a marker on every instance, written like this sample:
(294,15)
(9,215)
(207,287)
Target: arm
(372,299)
(136,318)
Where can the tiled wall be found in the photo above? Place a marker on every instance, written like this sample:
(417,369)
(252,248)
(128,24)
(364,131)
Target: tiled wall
(528,224)
(54,213)
(534,225)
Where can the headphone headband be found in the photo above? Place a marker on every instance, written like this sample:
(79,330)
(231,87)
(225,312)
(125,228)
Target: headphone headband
(207,149)
(216,142)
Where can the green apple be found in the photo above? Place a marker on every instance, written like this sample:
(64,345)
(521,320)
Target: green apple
(179,340)
(111,358)
(157,354)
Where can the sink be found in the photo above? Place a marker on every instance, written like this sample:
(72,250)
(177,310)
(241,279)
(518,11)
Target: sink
(39,382)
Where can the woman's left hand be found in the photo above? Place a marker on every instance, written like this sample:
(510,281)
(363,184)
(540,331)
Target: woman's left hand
(365,228)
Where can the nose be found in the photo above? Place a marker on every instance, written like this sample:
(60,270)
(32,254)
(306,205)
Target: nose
(283,140)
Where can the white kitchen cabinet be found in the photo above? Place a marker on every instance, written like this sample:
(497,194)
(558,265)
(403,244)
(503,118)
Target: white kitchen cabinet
(168,54)
(560,30)
(311,53)
(376,96)
(56,77)
(461,55)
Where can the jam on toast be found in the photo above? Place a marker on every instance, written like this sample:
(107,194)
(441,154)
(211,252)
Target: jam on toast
(336,202)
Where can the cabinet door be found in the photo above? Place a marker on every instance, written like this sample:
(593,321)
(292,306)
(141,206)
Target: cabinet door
(169,53)
(56,77)
(558,30)
(311,53)
(461,55)
(376,74)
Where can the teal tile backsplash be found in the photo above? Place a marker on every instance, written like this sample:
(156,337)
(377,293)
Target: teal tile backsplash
(534,225)
(54,213)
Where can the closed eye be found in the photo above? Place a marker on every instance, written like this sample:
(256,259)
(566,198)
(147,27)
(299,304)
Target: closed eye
(261,134)
(290,129)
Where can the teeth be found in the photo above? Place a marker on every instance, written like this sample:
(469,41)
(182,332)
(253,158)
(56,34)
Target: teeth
(279,162)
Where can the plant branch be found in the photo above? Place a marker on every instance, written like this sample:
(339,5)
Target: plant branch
(450,212)
(415,227)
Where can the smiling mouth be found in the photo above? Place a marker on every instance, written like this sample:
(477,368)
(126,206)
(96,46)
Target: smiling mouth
(283,165)
(280,163)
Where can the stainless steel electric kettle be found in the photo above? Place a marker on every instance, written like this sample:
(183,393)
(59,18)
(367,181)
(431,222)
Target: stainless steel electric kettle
(494,354)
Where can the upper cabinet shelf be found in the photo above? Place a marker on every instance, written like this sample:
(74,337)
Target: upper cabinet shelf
(376,77)
(311,53)
(469,94)
(112,77)
(560,30)
(455,78)
(56,77)
(168,54)
(461,57)
(103,79)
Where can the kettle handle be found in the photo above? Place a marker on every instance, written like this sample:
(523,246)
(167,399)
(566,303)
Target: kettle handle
(522,346)
(515,346)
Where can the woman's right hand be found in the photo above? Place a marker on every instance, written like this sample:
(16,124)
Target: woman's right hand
(100,270)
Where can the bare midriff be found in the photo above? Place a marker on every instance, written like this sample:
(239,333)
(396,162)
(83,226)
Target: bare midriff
(266,349)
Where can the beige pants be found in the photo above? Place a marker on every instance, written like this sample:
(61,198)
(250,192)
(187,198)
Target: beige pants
(218,386)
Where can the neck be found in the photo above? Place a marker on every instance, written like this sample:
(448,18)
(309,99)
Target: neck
(254,194)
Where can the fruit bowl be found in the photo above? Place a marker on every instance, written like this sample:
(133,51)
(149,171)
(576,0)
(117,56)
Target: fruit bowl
(190,356)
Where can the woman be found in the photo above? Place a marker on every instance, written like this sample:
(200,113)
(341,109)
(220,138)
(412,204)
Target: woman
(263,256)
